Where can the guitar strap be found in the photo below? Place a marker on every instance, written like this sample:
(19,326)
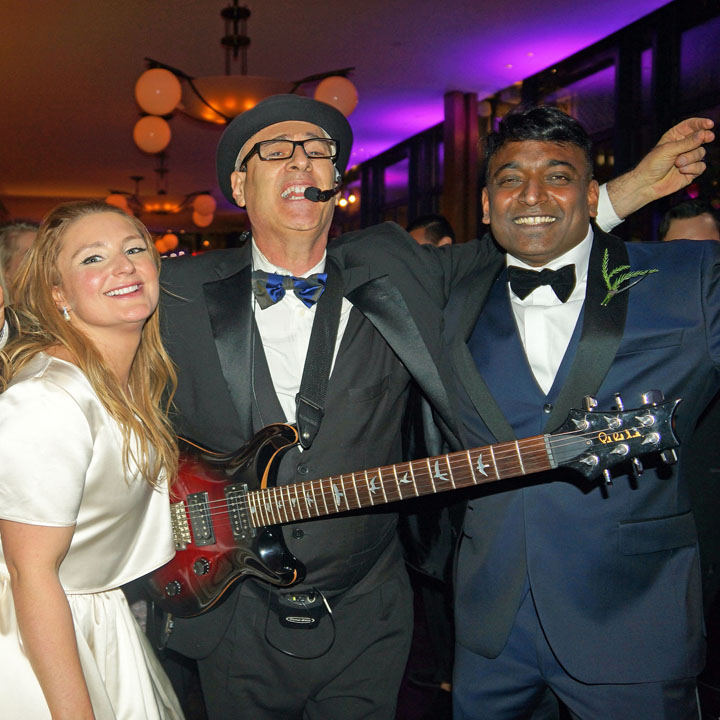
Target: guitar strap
(318,361)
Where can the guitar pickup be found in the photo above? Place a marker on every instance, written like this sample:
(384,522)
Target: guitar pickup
(198,508)
(237,504)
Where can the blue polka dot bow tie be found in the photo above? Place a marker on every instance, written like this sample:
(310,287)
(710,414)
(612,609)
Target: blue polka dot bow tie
(523,282)
(270,288)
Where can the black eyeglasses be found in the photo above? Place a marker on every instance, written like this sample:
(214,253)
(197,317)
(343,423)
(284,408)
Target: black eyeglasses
(314,149)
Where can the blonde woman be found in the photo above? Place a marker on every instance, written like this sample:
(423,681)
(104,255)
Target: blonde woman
(85,451)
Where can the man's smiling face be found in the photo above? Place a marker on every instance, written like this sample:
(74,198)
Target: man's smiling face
(272,190)
(539,199)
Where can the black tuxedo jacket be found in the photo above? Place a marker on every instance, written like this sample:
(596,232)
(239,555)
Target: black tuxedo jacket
(225,393)
(614,574)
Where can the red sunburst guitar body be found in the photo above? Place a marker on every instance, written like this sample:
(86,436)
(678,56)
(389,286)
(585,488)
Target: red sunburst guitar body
(215,540)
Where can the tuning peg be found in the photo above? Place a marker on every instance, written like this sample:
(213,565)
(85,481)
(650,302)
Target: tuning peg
(607,477)
(589,402)
(646,419)
(669,456)
(618,402)
(637,467)
(590,460)
(652,397)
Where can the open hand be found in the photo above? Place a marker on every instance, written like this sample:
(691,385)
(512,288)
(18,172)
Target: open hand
(671,165)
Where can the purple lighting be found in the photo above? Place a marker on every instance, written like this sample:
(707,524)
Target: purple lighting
(471,52)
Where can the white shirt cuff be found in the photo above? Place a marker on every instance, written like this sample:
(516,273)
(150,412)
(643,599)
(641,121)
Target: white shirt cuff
(3,335)
(606,218)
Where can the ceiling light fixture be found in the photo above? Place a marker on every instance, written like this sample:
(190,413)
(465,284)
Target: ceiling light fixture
(162,202)
(219,98)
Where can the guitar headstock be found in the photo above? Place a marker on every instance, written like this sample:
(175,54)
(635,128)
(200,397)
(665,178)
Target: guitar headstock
(592,441)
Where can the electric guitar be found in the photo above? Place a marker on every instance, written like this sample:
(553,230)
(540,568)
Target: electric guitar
(227,511)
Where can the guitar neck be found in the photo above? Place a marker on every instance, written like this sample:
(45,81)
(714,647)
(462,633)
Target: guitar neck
(368,488)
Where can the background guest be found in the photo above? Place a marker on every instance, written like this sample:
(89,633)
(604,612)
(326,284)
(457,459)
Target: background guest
(690,220)
(433,229)
(15,240)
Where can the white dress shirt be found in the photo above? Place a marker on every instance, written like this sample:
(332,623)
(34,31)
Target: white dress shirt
(285,329)
(545,323)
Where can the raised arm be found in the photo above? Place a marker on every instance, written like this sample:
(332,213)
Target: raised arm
(671,165)
(33,554)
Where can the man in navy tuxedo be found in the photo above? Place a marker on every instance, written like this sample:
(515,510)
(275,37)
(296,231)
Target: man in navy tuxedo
(592,591)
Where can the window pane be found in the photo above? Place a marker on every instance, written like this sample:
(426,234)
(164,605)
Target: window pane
(646,81)
(699,60)
(396,181)
(591,100)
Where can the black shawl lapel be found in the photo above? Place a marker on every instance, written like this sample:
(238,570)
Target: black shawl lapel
(383,305)
(229,309)
(602,330)
(468,304)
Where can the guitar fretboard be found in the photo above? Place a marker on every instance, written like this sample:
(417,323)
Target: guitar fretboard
(368,488)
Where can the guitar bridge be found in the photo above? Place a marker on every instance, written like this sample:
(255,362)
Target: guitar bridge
(200,520)
(180,527)
(237,505)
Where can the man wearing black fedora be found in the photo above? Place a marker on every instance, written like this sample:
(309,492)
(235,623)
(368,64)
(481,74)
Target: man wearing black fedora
(334,645)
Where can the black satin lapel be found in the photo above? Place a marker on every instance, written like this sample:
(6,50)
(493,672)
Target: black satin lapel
(265,398)
(383,305)
(467,303)
(602,331)
(229,309)
(354,277)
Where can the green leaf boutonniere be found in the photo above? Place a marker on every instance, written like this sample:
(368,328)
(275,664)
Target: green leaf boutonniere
(615,284)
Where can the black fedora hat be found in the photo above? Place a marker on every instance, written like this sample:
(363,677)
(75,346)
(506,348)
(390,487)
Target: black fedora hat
(276,109)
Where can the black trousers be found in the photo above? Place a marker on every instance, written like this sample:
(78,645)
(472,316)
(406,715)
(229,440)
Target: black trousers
(264,671)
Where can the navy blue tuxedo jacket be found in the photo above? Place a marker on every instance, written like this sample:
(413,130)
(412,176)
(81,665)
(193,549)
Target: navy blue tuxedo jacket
(614,574)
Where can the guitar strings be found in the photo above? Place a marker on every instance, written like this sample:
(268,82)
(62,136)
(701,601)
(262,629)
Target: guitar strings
(531,460)
(526,460)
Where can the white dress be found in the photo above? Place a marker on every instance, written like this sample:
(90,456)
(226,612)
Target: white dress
(61,465)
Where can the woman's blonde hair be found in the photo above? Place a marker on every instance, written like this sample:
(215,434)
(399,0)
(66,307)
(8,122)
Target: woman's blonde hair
(40,326)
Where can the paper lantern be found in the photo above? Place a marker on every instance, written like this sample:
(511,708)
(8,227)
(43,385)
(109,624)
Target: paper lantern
(339,92)
(161,246)
(118,201)
(170,241)
(202,220)
(204,204)
(158,91)
(152,134)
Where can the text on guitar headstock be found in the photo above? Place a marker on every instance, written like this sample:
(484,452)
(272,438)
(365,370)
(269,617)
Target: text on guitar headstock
(592,441)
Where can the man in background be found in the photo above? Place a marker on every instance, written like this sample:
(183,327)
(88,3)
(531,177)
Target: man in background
(690,220)
(15,240)
(432,229)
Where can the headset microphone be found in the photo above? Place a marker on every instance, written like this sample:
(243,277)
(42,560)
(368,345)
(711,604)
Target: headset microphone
(317,195)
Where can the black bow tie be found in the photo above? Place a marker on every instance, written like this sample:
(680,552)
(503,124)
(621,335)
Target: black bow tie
(523,282)
(270,288)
